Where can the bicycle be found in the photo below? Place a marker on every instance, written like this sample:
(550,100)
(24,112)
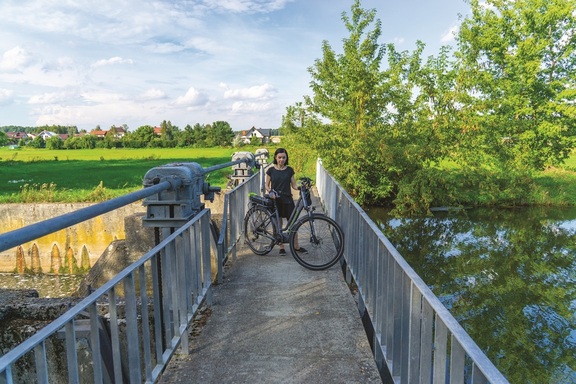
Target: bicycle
(319,234)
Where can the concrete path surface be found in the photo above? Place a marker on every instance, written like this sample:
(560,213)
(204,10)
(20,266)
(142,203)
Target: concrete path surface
(273,321)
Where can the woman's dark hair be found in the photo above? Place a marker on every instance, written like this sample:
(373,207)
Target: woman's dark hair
(281,150)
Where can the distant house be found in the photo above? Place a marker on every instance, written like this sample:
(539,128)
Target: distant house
(158,131)
(118,132)
(98,133)
(15,137)
(45,135)
(263,134)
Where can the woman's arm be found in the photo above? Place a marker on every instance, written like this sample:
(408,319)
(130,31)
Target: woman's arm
(268,183)
(293,182)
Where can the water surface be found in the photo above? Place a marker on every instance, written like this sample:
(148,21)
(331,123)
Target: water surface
(508,276)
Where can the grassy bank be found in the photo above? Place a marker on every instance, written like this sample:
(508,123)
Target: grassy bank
(40,175)
(33,175)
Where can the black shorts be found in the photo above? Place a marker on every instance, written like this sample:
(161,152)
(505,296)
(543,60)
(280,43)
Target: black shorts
(285,207)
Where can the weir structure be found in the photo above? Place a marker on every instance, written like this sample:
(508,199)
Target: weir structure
(141,317)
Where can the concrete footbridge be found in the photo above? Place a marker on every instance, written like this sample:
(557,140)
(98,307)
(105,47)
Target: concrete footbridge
(200,306)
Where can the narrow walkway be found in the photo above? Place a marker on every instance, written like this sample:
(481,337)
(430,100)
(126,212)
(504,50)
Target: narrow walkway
(273,321)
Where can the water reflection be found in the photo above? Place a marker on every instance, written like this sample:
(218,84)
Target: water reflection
(49,286)
(508,276)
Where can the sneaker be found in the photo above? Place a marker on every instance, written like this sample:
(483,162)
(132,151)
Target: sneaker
(302,250)
(282,252)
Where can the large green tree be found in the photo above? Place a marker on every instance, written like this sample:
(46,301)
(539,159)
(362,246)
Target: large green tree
(517,65)
(349,93)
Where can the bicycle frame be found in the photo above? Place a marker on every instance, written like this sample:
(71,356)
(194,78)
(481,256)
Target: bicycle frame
(299,206)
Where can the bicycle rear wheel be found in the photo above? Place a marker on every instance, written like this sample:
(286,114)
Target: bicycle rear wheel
(259,230)
(322,238)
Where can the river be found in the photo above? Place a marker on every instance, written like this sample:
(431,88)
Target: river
(508,276)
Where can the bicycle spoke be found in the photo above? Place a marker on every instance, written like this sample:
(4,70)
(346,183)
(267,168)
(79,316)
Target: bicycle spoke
(259,230)
(323,240)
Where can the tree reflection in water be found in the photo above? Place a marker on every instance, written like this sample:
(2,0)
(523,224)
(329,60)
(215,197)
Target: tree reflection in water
(508,276)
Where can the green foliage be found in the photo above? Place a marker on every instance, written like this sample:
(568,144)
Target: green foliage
(3,138)
(517,66)
(499,109)
(54,142)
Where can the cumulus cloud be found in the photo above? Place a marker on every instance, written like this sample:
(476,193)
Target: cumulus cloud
(101,97)
(249,107)
(192,98)
(112,61)
(153,94)
(249,6)
(450,36)
(48,98)
(6,96)
(14,59)
(264,91)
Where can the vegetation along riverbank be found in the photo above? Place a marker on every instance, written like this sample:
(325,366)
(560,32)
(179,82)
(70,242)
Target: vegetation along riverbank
(41,175)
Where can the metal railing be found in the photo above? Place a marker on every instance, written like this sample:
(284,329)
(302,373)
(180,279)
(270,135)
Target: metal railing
(235,207)
(148,307)
(128,329)
(415,338)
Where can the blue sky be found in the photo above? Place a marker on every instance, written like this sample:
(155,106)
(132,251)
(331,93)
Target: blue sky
(138,62)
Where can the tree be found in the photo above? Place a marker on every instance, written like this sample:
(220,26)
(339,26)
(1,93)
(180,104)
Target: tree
(200,133)
(3,138)
(222,133)
(54,142)
(517,63)
(88,142)
(186,137)
(169,134)
(142,136)
(38,142)
(349,92)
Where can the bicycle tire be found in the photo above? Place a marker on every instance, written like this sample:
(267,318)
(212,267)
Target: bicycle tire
(259,230)
(325,249)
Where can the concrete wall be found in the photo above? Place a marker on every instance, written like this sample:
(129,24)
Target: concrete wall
(96,234)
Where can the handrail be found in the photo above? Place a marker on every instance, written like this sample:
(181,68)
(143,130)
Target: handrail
(23,235)
(162,276)
(235,207)
(150,304)
(415,337)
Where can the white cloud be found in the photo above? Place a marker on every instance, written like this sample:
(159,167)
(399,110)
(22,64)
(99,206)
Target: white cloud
(48,98)
(450,36)
(248,107)
(264,91)
(249,6)
(101,97)
(153,94)
(112,61)
(192,98)
(14,59)
(6,96)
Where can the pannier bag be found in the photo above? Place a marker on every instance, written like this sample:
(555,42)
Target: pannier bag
(263,201)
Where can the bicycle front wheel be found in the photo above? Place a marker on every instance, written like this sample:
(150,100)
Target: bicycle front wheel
(323,241)
(259,230)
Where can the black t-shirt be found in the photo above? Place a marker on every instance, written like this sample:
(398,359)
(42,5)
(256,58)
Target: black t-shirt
(281,180)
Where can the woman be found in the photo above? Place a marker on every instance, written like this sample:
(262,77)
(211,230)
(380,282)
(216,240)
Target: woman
(280,178)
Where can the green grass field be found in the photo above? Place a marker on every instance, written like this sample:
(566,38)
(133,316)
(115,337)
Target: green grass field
(38,175)
(30,175)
